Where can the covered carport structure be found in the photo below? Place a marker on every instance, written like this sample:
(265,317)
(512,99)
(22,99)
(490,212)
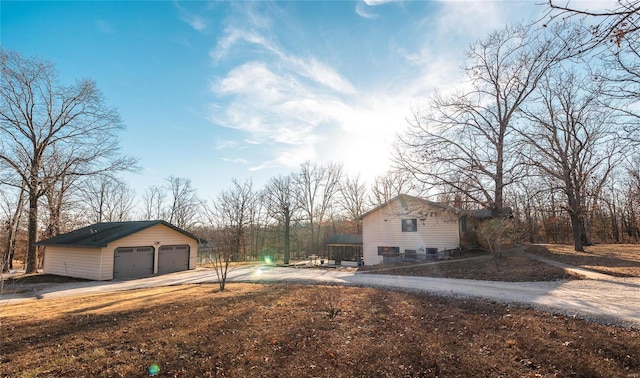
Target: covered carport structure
(344,247)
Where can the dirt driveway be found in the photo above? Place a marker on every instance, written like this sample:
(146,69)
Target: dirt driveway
(610,300)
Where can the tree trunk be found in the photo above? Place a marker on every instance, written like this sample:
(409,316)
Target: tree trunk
(496,260)
(615,228)
(584,236)
(576,227)
(313,238)
(12,232)
(32,251)
(498,200)
(287,238)
(7,257)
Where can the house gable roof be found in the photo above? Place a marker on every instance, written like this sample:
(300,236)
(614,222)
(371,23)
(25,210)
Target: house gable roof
(405,198)
(99,235)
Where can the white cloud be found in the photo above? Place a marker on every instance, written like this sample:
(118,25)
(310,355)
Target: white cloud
(481,17)
(302,108)
(362,8)
(373,3)
(299,122)
(196,22)
(234,35)
(310,68)
(251,79)
(222,144)
(235,161)
(363,11)
(321,73)
(289,158)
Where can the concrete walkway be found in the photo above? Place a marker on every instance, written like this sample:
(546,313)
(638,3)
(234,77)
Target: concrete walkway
(588,274)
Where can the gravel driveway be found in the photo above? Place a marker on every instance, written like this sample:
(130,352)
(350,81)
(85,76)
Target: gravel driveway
(608,300)
(613,300)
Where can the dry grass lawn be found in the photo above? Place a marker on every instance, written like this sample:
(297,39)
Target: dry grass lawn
(322,331)
(303,331)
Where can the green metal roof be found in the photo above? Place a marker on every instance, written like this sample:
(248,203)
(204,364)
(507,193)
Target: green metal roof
(98,235)
(347,239)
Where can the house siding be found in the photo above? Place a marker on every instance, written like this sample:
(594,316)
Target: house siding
(159,233)
(74,262)
(436,228)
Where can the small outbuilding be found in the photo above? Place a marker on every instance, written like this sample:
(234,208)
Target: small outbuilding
(120,250)
(344,247)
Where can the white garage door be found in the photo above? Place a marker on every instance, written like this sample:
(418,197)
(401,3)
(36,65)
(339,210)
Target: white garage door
(173,258)
(133,262)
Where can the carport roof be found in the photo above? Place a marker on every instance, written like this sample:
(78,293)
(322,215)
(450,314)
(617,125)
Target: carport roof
(345,239)
(98,235)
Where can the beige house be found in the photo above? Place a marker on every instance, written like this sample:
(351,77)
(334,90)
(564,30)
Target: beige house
(408,228)
(120,250)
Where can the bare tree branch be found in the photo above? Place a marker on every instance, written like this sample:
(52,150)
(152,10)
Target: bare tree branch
(67,129)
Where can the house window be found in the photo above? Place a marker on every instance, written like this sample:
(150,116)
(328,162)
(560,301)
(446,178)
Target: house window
(409,225)
(388,251)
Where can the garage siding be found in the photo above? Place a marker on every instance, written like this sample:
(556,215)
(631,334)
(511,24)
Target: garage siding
(74,262)
(159,233)
(106,270)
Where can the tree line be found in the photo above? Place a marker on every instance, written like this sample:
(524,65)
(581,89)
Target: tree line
(546,123)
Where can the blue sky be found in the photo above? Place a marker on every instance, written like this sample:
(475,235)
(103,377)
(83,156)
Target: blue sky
(212,91)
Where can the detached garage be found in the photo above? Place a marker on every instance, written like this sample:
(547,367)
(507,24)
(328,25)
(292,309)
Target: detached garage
(120,250)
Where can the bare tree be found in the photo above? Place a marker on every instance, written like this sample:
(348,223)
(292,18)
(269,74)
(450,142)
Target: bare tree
(12,209)
(154,202)
(227,219)
(107,199)
(526,195)
(574,141)
(282,205)
(57,197)
(391,184)
(631,222)
(317,187)
(258,225)
(353,197)
(613,38)
(61,176)
(612,25)
(495,235)
(40,119)
(184,202)
(464,143)
(621,72)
